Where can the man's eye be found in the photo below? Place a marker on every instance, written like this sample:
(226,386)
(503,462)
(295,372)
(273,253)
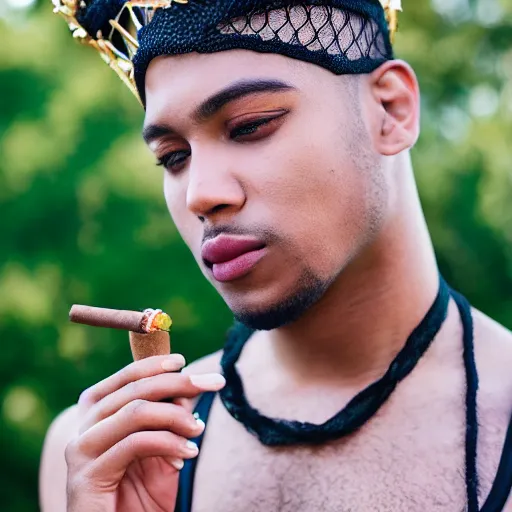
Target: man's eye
(256,129)
(172,161)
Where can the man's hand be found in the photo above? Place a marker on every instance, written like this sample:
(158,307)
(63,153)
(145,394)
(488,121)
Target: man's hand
(131,445)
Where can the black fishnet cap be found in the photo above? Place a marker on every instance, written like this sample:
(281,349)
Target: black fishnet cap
(344,36)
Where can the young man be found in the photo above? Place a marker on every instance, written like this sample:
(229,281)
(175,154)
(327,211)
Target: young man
(360,381)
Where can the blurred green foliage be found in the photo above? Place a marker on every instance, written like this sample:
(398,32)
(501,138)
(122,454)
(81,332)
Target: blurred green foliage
(83,218)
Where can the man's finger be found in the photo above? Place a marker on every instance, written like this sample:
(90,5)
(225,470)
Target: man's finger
(135,371)
(138,416)
(113,463)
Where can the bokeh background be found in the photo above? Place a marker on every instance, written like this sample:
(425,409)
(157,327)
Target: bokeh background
(83,220)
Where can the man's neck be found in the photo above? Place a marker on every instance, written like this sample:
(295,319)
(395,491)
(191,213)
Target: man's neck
(366,316)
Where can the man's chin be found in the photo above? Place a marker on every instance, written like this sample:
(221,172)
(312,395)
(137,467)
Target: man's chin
(285,311)
(262,320)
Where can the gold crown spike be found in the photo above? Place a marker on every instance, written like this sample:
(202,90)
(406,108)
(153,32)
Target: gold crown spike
(391,8)
(120,61)
(131,43)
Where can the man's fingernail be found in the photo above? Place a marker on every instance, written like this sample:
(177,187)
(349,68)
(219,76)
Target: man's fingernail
(192,447)
(208,380)
(173,363)
(178,464)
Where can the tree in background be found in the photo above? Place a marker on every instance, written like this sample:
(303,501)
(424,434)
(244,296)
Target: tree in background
(83,218)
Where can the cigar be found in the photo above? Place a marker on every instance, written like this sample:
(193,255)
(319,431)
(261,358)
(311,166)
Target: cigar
(150,320)
(148,330)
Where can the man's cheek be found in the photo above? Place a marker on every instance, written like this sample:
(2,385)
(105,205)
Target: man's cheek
(190,234)
(186,225)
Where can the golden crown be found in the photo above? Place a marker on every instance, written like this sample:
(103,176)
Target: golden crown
(118,47)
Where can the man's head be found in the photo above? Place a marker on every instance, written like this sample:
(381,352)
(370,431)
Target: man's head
(274,120)
(279,157)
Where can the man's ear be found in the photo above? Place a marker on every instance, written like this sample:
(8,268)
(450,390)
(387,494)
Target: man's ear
(395,107)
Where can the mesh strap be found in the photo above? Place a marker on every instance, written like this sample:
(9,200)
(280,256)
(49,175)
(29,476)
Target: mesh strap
(315,27)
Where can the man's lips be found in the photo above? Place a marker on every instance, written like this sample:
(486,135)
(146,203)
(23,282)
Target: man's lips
(231,257)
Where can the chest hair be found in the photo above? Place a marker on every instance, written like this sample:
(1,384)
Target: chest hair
(409,457)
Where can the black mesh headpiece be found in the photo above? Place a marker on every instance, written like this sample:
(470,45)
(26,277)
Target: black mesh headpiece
(343,36)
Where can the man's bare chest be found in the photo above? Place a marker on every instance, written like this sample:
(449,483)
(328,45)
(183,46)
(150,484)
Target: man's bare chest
(403,463)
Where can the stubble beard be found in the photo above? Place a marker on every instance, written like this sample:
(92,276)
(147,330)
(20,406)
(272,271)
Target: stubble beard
(310,289)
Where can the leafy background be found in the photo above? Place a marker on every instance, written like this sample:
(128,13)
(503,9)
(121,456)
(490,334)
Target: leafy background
(82,214)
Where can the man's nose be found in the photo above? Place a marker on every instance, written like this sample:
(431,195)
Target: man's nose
(213,187)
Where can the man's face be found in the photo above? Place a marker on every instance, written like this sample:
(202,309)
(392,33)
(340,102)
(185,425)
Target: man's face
(270,176)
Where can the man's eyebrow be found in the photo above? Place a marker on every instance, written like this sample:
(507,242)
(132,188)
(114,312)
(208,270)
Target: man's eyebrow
(214,103)
(155,131)
(235,91)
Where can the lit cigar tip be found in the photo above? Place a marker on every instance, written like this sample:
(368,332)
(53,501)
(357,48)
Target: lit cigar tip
(156,320)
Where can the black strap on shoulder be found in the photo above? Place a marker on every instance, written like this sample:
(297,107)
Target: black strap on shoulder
(471,404)
(502,486)
(186,483)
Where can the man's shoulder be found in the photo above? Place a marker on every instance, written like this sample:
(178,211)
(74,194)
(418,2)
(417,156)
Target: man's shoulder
(53,468)
(485,324)
(493,353)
